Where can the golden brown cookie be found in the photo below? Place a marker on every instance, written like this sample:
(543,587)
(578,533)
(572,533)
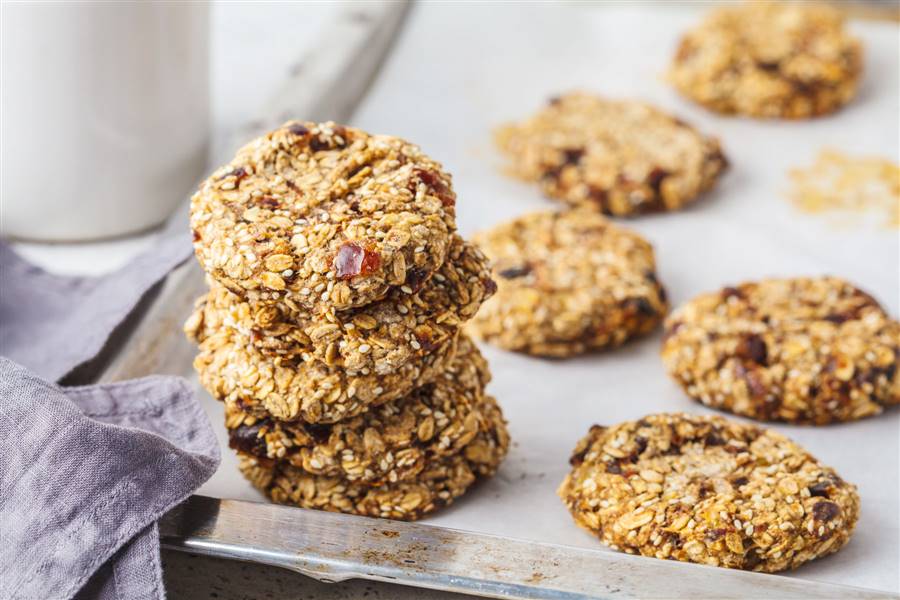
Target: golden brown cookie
(325,216)
(390,443)
(708,490)
(441,480)
(567,283)
(617,157)
(770,59)
(805,350)
(382,337)
(232,369)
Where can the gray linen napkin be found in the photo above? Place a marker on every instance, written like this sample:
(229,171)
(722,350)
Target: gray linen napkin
(65,451)
(85,473)
(53,324)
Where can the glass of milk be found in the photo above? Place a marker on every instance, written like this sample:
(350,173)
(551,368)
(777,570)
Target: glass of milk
(105,115)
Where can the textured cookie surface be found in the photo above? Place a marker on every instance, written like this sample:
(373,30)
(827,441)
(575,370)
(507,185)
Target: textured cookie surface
(568,282)
(769,59)
(617,157)
(804,350)
(325,215)
(710,491)
(390,443)
(232,369)
(382,337)
(442,479)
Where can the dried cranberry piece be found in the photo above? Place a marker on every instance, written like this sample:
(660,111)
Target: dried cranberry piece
(714,534)
(353,259)
(239,174)
(298,129)
(196,235)
(433,181)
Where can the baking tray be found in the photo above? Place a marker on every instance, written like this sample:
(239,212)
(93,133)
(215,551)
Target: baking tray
(459,70)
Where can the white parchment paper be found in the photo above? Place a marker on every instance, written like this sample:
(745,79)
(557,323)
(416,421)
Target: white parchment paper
(458,70)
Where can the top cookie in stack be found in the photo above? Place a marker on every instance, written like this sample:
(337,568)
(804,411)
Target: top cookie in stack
(338,283)
(325,217)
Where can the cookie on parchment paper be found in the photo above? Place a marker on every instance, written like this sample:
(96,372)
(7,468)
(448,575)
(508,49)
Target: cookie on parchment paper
(770,59)
(325,216)
(442,479)
(617,157)
(232,369)
(805,350)
(389,443)
(390,334)
(568,283)
(710,491)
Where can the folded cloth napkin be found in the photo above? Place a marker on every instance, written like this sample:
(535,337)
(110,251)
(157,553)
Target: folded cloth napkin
(85,472)
(53,324)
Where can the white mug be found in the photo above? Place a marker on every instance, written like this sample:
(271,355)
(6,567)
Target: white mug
(105,115)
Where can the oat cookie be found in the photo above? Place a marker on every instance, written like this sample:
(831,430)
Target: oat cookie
(382,337)
(390,443)
(289,389)
(324,215)
(708,490)
(442,479)
(568,282)
(618,157)
(805,350)
(770,59)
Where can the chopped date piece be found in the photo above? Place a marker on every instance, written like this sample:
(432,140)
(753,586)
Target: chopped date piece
(573,155)
(825,511)
(353,259)
(415,277)
(754,348)
(246,439)
(655,178)
(819,489)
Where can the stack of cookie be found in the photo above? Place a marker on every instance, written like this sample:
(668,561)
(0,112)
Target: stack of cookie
(331,330)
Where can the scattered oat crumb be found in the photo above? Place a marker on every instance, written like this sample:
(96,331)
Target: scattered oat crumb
(837,182)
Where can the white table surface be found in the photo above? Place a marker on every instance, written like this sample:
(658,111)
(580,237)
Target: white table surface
(262,42)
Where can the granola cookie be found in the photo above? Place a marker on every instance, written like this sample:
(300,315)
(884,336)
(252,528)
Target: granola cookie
(806,350)
(233,370)
(325,216)
(618,157)
(770,59)
(708,490)
(568,282)
(390,443)
(441,480)
(382,337)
